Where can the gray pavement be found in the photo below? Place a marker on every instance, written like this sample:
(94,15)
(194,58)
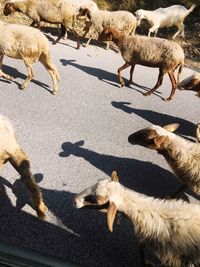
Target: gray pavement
(77,137)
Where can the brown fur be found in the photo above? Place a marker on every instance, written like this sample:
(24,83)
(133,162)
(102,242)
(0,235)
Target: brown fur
(147,51)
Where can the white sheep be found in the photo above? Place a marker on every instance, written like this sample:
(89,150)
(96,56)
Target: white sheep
(182,155)
(147,51)
(165,17)
(96,21)
(77,4)
(11,151)
(51,11)
(170,228)
(28,44)
(191,83)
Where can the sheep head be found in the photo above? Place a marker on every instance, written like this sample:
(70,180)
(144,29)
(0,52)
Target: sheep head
(191,83)
(139,16)
(99,195)
(153,137)
(106,34)
(9,9)
(84,13)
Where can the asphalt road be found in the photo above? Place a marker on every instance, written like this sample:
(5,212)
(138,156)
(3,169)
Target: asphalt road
(77,137)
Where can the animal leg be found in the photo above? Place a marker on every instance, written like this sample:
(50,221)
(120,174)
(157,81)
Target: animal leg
(46,62)
(125,66)
(131,75)
(28,62)
(180,30)
(2,74)
(22,165)
(107,45)
(88,42)
(158,84)
(174,85)
(153,29)
(77,38)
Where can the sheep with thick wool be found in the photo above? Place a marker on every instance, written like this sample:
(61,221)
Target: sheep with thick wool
(182,155)
(28,44)
(51,11)
(11,151)
(98,19)
(165,17)
(147,51)
(170,228)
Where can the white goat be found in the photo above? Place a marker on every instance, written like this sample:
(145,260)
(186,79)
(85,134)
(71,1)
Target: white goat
(170,228)
(183,156)
(147,51)
(51,11)
(165,17)
(11,151)
(97,20)
(28,44)
(191,83)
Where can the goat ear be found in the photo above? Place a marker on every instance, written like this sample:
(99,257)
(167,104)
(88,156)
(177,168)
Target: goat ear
(112,211)
(114,177)
(159,141)
(100,200)
(171,127)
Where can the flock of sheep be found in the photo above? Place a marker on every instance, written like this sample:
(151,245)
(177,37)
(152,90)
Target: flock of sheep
(171,228)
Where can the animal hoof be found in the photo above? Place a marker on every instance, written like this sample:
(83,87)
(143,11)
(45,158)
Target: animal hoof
(22,87)
(54,93)
(146,94)
(41,210)
(167,99)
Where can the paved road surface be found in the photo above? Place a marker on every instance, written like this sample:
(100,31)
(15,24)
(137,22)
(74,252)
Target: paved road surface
(77,137)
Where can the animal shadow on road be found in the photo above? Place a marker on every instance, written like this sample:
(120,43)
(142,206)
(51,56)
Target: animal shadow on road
(103,75)
(16,74)
(186,128)
(71,233)
(142,176)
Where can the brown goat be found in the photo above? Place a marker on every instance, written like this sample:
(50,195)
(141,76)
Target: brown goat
(147,51)
(11,151)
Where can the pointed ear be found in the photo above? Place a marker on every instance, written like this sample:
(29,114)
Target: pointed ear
(171,127)
(159,141)
(112,211)
(114,177)
(100,200)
